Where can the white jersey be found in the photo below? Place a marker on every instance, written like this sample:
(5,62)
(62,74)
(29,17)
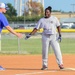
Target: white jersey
(49,25)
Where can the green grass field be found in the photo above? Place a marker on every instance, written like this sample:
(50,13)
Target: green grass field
(33,45)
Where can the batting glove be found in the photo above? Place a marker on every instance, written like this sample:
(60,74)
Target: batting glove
(59,38)
(27,36)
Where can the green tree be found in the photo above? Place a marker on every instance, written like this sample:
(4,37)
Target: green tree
(11,12)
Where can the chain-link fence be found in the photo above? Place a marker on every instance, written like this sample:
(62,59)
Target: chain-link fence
(11,44)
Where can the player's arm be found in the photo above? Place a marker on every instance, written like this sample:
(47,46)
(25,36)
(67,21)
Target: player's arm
(34,31)
(6,25)
(37,27)
(59,31)
(13,32)
(58,26)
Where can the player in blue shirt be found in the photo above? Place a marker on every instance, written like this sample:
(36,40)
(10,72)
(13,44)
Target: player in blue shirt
(4,23)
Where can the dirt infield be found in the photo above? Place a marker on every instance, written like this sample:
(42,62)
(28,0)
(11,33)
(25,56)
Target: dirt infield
(31,65)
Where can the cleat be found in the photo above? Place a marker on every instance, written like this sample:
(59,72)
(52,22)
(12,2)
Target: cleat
(1,68)
(61,67)
(44,68)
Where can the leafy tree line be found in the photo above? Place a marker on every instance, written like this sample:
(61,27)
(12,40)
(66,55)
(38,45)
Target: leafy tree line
(12,13)
(22,18)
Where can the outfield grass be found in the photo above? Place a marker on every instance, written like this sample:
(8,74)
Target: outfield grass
(33,45)
(68,45)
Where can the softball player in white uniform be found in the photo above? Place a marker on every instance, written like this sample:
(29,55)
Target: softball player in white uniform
(49,37)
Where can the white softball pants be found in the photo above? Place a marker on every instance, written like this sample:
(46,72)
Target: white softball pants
(48,40)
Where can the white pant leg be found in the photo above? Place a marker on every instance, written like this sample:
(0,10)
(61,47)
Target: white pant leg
(56,47)
(45,47)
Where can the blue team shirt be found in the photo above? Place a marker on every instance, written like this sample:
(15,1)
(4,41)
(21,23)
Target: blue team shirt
(3,21)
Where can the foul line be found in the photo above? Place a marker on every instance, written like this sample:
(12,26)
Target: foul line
(34,73)
(69,69)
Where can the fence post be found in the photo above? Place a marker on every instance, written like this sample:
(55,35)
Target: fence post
(19,46)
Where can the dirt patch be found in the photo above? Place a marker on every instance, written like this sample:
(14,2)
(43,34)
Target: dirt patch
(31,65)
